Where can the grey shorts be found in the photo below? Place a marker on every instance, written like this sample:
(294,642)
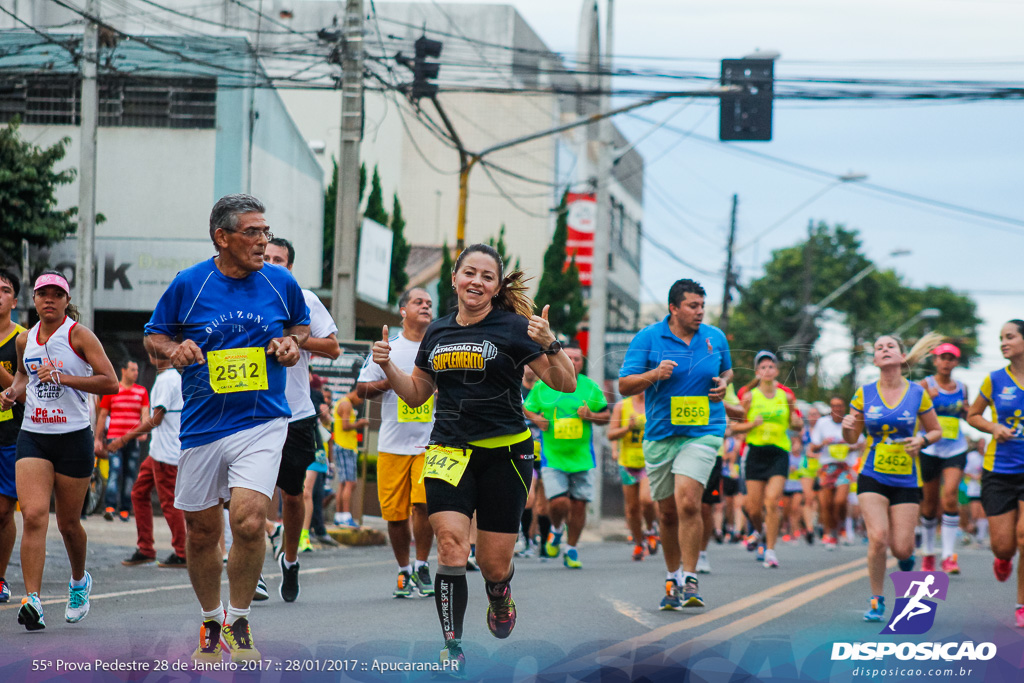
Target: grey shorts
(577,485)
(677,455)
(345,459)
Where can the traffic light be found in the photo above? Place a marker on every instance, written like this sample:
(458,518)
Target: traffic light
(423,71)
(747,114)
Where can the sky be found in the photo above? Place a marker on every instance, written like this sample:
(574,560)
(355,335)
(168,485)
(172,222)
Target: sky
(966,154)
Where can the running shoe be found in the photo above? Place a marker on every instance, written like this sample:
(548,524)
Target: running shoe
(653,541)
(1020,617)
(520,545)
(108,514)
(638,552)
(571,559)
(78,601)
(326,540)
(828,541)
(276,538)
(289,581)
(928,563)
(174,561)
(5,590)
(261,593)
(950,564)
(125,517)
(787,538)
(529,551)
(501,614)
(237,639)
(31,613)
(759,557)
(304,545)
(137,558)
(770,560)
(752,541)
(809,537)
(877,611)
(1002,569)
(422,581)
(907,565)
(671,601)
(703,564)
(471,565)
(552,547)
(404,589)
(453,661)
(209,649)
(691,593)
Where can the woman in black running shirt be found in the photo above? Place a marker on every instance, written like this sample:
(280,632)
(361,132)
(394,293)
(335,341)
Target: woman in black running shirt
(480,457)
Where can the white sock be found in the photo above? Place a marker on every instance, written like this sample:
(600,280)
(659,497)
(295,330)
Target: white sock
(928,535)
(982,525)
(677,575)
(407,569)
(234,614)
(687,575)
(287,564)
(950,525)
(228,539)
(217,613)
(419,563)
(849,529)
(769,553)
(78,583)
(570,547)
(703,555)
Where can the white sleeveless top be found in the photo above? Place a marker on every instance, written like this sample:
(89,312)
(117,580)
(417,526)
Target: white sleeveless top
(54,408)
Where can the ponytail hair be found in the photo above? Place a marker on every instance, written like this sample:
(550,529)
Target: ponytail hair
(919,351)
(511,296)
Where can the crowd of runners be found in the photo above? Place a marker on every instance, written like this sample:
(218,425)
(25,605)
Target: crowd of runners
(487,446)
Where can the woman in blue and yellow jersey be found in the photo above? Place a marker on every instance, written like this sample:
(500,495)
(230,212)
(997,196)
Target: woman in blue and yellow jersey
(889,484)
(942,464)
(627,428)
(1002,477)
(771,413)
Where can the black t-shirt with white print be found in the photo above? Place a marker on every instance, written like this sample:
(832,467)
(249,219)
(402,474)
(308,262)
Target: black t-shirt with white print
(478,370)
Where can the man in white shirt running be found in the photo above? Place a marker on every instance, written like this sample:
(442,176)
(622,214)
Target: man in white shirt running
(404,433)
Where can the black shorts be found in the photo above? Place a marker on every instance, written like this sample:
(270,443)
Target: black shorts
(765,462)
(713,488)
(1001,493)
(931,466)
(297,455)
(494,485)
(730,487)
(71,453)
(897,495)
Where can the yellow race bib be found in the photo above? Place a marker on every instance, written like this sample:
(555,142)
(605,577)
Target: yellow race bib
(950,426)
(691,411)
(770,432)
(6,415)
(234,370)
(445,463)
(839,451)
(568,428)
(892,458)
(421,414)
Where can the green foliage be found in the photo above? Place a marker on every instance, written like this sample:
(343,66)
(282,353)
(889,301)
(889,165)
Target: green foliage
(500,247)
(446,299)
(375,202)
(559,285)
(28,183)
(330,215)
(770,314)
(400,249)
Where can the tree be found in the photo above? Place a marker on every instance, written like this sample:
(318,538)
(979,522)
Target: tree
(560,285)
(28,183)
(499,246)
(330,216)
(400,249)
(446,300)
(375,202)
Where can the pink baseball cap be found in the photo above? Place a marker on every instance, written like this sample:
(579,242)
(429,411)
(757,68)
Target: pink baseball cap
(946,348)
(48,279)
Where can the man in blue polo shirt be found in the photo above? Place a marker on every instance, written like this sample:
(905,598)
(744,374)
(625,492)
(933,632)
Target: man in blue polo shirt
(232,324)
(684,367)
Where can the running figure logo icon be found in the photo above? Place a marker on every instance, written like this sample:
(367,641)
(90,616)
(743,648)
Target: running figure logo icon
(914,612)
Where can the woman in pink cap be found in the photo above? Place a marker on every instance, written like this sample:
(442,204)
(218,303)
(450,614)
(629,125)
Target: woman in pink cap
(942,464)
(59,362)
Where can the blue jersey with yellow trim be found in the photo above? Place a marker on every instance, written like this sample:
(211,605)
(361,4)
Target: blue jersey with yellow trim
(949,406)
(1005,396)
(886,461)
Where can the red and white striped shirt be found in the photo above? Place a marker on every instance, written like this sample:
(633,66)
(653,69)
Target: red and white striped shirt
(125,409)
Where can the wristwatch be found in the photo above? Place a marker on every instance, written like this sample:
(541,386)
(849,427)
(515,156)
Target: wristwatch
(553,348)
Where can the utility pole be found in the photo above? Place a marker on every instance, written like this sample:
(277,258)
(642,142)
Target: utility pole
(85,266)
(346,220)
(804,352)
(723,321)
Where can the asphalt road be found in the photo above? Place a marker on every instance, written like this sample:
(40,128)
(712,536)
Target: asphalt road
(598,623)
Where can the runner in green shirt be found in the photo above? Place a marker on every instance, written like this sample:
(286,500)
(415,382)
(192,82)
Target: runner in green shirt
(568,462)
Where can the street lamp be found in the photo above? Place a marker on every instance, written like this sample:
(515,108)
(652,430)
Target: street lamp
(925,313)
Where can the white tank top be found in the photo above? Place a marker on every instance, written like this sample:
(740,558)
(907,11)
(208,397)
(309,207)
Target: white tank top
(54,408)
